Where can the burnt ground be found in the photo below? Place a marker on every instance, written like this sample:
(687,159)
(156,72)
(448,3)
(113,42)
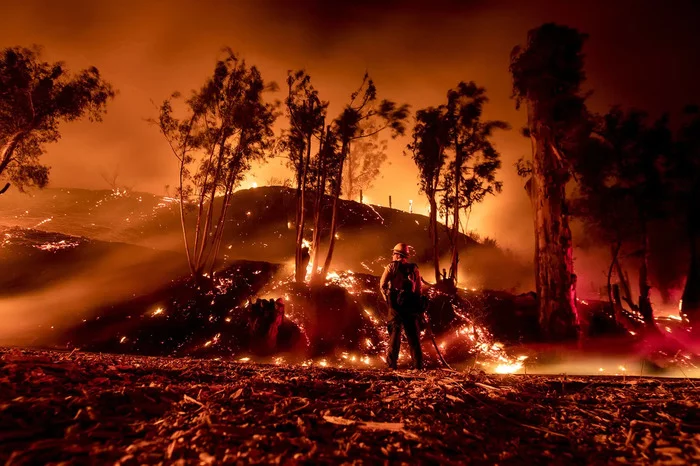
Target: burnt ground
(77,408)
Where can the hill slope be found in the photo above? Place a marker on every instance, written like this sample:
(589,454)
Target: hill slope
(259,227)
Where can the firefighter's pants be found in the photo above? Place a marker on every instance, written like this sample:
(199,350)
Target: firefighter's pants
(409,323)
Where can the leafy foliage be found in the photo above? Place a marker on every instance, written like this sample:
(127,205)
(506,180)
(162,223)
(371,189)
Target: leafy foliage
(363,117)
(228,126)
(35,98)
(364,160)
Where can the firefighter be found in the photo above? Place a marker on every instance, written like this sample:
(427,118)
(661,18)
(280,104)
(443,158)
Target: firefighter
(400,286)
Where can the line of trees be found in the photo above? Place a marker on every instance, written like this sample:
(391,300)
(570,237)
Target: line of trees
(323,159)
(632,178)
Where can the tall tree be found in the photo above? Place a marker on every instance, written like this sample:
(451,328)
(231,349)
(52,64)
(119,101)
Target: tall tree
(35,98)
(364,161)
(363,111)
(431,139)
(228,126)
(547,77)
(306,113)
(475,158)
(685,175)
(325,168)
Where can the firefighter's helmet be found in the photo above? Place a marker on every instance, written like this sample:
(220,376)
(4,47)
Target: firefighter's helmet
(401,249)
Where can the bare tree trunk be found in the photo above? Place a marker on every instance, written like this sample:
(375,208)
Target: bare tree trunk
(8,150)
(300,274)
(553,244)
(617,310)
(331,239)
(334,218)
(221,223)
(200,211)
(208,225)
(644,302)
(625,285)
(690,305)
(455,214)
(349,176)
(320,193)
(182,217)
(435,236)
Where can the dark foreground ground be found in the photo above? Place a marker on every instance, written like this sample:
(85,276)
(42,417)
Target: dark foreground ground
(86,408)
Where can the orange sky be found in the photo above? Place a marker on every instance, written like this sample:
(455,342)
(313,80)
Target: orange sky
(642,54)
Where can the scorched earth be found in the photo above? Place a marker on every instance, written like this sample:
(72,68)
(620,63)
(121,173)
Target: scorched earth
(78,408)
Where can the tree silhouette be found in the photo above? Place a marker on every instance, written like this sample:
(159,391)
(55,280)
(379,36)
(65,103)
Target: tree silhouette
(325,167)
(623,191)
(363,111)
(472,170)
(227,127)
(431,139)
(547,77)
(35,98)
(306,113)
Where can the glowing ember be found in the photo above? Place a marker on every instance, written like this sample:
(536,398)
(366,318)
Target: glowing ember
(323,362)
(122,340)
(43,222)
(508,368)
(246,359)
(56,245)
(157,312)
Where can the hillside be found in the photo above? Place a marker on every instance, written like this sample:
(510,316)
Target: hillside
(259,227)
(73,292)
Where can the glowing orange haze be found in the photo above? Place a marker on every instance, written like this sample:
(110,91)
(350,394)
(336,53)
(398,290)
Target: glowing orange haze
(414,51)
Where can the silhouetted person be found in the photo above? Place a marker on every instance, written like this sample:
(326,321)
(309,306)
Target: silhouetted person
(401,287)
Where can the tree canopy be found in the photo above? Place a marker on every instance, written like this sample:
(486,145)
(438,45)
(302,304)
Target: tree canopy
(35,98)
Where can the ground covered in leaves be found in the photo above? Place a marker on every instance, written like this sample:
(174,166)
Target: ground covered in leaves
(89,408)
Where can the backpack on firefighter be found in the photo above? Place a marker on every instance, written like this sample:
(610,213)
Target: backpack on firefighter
(404,298)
